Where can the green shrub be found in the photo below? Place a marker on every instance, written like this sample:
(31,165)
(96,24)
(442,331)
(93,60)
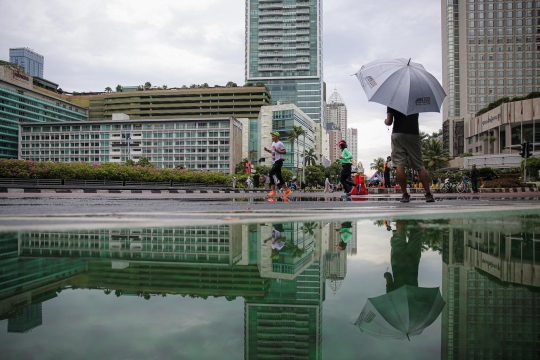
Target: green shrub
(487,173)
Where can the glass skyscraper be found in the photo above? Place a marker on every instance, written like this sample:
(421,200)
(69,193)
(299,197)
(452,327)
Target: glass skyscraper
(29,59)
(284,51)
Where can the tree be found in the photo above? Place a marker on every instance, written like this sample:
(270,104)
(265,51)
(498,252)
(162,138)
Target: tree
(60,91)
(119,88)
(204,85)
(248,84)
(129,162)
(262,169)
(143,161)
(193,86)
(164,87)
(310,158)
(231,84)
(314,175)
(147,85)
(184,87)
(434,155)
(108,89)
(377,165)
(259,83)
(294,135)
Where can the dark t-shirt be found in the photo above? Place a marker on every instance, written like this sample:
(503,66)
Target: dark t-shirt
(404,124)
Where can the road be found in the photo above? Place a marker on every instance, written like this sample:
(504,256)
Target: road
(27,210)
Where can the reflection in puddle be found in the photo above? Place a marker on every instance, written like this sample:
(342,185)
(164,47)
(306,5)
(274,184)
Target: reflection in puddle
(281,271)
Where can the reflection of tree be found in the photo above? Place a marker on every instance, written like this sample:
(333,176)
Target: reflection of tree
(293,249)
(309,228)
(107,291)
(118,293)
(379,223)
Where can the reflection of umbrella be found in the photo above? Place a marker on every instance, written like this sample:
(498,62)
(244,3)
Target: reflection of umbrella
(402,85)
(401,313)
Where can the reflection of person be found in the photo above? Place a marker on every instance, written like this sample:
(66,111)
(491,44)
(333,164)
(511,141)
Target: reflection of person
(278,149)
(405,256)
(346,234)
(346,167)
(278,240)
(407,150)
(387,168)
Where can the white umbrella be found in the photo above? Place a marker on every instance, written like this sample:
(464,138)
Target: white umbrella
(401,313)
(402,85)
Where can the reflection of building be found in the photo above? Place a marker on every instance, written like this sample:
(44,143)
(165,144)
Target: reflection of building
(27,319)
(209,144)
(491,291)
(287,322)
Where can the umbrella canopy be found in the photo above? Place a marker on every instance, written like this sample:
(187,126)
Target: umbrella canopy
(401,313)
(375,177)
(402,85)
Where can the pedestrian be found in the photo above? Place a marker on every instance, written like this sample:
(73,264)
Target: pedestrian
(387,169)
(346,167)
(256,180)
(248,182)
(266,181)
(327,185)
(234,182)
(475,174)
(277,151)
(407,150)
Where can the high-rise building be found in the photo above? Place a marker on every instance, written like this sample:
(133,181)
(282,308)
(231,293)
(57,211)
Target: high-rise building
(489,52)
(284,51)
(29,59)
(335,113)
(352,142)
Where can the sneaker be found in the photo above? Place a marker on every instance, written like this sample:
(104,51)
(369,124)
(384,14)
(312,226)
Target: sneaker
(271,200)
(286,199)
(286,193)
(429,197)
(271,193)
(405,198)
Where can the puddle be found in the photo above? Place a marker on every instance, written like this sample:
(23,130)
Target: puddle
(276,290)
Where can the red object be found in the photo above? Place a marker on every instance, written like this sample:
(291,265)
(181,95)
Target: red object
(354,191)
(398,187)
(363,189)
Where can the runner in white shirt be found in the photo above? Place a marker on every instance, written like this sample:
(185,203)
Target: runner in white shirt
(278,149)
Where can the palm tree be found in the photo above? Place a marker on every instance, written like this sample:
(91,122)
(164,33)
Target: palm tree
(377,165)
(294,135)
(434,155)
(119,88)
(310,158)
(108,89)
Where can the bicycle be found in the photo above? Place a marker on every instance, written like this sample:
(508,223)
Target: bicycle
(463,187)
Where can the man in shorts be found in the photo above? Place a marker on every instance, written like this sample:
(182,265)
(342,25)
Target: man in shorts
(407,150)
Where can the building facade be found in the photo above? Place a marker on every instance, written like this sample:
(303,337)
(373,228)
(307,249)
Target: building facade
(216,102)
(213,144)
(21,103)
(336,114)
(284,51)
(489,51)
(352,142)
(282,118)
(29,59)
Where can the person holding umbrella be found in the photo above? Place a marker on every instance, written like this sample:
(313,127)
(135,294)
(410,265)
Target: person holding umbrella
(407,150)
(407,89)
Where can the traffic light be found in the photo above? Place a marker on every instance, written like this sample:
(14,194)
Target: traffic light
(523,151)
(528,148)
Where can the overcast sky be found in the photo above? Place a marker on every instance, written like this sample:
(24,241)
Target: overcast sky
(89,45)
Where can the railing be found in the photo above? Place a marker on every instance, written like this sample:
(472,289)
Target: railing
(70,183)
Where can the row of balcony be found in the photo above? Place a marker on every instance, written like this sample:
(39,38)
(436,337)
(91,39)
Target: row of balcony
(278,53)
(282,61)
(284,12)
(278,5)
(278,40)
(285,26)
(280,47)
(282,18)
(282,33)
(280,68)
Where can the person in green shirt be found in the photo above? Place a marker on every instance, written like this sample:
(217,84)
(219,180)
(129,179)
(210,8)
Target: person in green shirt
(345,233)
(346,166)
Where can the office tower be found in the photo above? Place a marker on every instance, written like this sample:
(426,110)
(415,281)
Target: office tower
(488,52)
(335,113)
(352,142)
(29,59)
(284,51)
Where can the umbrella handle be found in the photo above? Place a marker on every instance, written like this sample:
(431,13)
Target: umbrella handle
(408,65)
